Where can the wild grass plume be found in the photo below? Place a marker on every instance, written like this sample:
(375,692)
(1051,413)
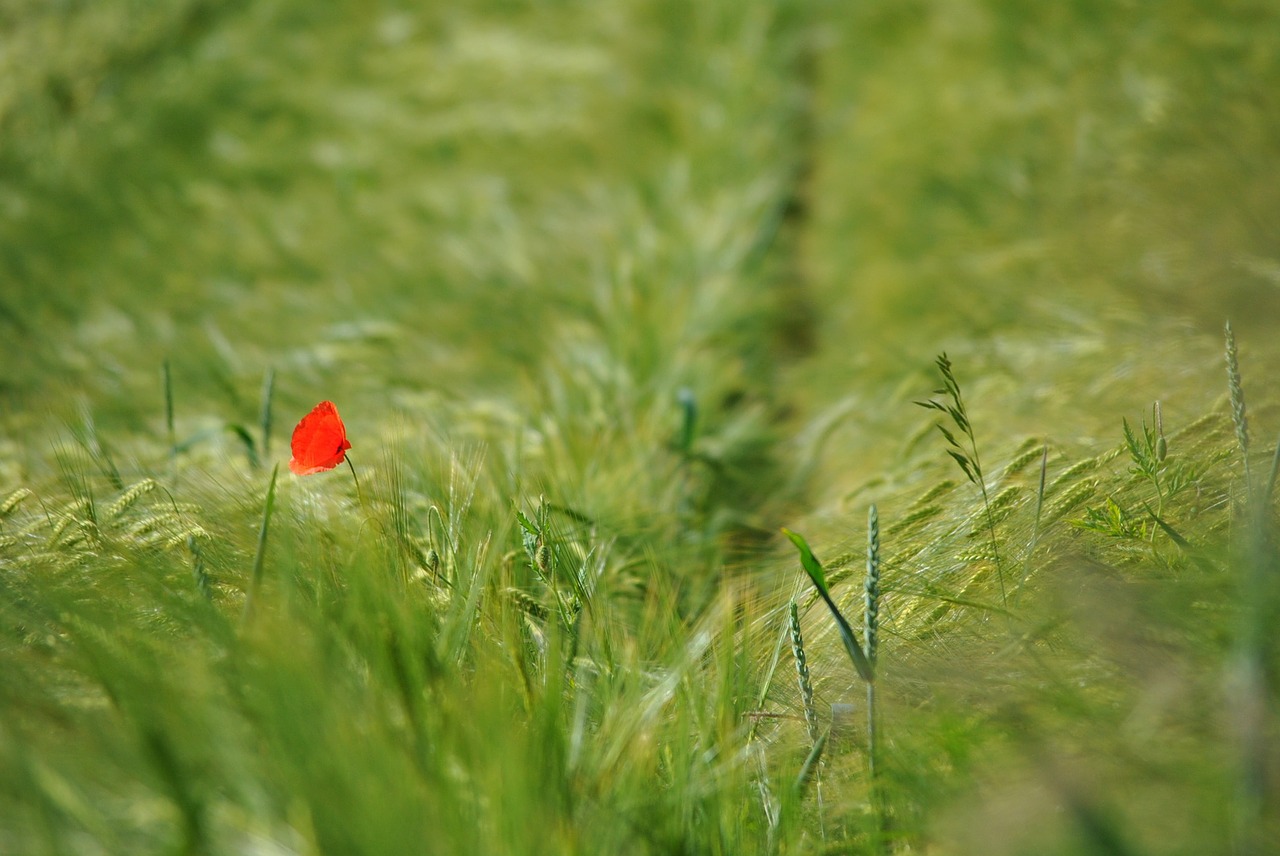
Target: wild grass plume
(965,455)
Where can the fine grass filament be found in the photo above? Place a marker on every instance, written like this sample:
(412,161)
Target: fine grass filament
(259,556)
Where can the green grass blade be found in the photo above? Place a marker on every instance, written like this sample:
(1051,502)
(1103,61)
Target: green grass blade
(256,579)
(1270,487)
(264,411)
(250,447)
(168,409)
(811,763)
(814,569)
(688,419)
(809,561)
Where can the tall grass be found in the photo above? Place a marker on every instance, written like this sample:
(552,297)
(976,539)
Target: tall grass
(965,454)
(1251,676)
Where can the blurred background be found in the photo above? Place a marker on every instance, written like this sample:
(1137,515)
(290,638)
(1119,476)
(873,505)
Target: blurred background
(384,200)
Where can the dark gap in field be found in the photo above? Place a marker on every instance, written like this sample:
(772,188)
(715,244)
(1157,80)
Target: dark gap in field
(783,246)
(69,92)
(754,481)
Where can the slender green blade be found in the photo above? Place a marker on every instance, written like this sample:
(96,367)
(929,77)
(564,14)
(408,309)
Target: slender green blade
(811,763)
(264,411)
(814,569)
(810,562)
(168,408)
(250,447)
(259,557)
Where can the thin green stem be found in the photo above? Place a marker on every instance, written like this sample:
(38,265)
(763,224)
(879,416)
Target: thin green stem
(255,580)
(356,478)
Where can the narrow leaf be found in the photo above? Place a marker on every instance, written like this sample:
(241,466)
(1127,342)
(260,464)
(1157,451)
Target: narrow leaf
(168,407)
(951,438)
(809,561)
(1169,530)
(264,410)
(860,661)
(250,447)
(259,557)
(1187,547)
(814,569)
(964,464)
(811,763)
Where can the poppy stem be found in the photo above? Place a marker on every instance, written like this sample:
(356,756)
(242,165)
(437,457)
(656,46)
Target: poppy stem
(359,494)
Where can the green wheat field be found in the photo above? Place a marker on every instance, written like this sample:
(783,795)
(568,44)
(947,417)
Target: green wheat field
(979,300)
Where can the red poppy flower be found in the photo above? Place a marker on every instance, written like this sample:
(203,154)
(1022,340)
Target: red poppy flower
(319,442)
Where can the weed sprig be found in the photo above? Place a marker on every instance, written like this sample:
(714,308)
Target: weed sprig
(965,455)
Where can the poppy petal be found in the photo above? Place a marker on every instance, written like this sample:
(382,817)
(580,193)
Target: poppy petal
(319,441)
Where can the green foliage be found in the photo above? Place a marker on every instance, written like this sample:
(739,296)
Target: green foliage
(1148,450)
(1111,519)
(1168,476)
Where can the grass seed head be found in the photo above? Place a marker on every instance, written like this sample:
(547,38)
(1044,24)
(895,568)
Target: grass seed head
(802,673)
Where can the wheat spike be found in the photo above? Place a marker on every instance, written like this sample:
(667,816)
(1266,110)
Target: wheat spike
(802,674)
(872,587)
